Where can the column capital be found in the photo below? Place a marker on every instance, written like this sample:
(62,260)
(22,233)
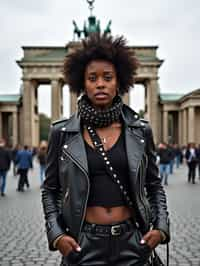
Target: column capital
(57,81)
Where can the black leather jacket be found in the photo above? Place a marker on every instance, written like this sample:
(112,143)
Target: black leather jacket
(66,188)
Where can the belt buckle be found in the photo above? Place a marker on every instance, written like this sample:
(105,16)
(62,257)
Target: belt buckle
(116,230)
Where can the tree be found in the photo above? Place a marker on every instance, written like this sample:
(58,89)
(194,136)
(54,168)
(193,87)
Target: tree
(44,126)
(141,113)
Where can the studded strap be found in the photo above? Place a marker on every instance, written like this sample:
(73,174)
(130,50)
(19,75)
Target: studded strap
(112,173)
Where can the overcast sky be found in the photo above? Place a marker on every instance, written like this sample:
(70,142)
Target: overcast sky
(173,25)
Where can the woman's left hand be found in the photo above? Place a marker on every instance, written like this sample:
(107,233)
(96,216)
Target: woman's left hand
(152,238)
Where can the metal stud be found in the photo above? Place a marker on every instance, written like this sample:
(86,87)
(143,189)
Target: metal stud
(105,158)
(107,162)
(114,175)
(121,187)
(65,146)
(111,168)
(118,181)
(63,128)
(61,158)
(142,141)
(141,123)
(136,116)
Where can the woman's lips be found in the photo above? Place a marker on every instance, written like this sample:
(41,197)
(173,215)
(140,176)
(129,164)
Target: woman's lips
(101,95)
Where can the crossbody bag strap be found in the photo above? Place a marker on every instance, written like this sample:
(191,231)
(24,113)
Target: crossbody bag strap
(109,168)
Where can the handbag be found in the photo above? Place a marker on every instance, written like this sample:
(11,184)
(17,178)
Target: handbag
(154,260)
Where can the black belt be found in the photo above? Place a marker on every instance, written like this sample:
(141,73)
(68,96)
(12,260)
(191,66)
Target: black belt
(111,229)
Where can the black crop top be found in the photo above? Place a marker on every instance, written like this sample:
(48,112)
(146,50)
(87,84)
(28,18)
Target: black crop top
(103,191)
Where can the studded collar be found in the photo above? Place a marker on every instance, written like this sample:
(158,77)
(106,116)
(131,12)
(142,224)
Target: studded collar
(130,118)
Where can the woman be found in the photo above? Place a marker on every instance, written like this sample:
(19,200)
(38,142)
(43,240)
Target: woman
(101,177)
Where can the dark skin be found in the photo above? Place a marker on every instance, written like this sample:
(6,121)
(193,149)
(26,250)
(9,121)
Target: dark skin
(101,87)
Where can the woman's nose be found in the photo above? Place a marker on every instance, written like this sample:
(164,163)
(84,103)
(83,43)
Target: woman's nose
(100,83)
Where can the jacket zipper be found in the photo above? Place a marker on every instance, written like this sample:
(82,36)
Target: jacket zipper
(140,165)
(87,178)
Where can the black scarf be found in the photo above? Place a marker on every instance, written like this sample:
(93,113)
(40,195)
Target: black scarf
(99,118)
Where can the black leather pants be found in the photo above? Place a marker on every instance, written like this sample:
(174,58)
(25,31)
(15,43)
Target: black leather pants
(99,248)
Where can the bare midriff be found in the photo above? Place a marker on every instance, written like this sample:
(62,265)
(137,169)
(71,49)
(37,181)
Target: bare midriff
(102,215)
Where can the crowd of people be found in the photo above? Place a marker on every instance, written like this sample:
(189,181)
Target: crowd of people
(22,159)
(168,157)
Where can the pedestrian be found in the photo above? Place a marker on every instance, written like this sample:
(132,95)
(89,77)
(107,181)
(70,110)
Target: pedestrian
(14,154)
(178,155)
(192,160)
(172,160)
(164,162)
(5,160)
(42,157)
(198,160)
(24,163)
(102,185)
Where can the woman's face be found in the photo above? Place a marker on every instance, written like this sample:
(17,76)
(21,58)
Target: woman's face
(100,83)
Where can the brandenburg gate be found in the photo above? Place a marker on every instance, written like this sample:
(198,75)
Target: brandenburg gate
(43,65)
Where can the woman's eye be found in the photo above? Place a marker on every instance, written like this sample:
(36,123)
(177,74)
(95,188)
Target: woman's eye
(92,78)
(108,78)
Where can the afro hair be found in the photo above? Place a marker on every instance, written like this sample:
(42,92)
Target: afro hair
(101,47)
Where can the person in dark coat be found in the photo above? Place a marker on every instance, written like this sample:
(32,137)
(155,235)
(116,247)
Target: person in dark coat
(24,163)
(178,155)
(198,160)
(164,154)
(192,160)
(5,160)
(14,154)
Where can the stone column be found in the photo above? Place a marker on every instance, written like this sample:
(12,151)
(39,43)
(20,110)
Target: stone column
(56,99)
(191,124)
(1,125)
(185,129)
(73,103)
(126,98)
(14,129)
(180,128)
(165,126)
(28,112)
(153,114)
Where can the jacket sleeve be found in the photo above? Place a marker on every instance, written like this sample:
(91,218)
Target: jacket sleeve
(51,190)
(155,192)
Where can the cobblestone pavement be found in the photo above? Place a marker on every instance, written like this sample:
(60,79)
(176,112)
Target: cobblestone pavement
(23,239)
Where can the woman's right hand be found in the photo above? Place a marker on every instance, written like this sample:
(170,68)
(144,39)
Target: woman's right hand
(66,244)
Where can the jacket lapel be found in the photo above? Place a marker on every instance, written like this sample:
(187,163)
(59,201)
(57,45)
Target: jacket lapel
(135,149)
(74,145)
(76,150)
